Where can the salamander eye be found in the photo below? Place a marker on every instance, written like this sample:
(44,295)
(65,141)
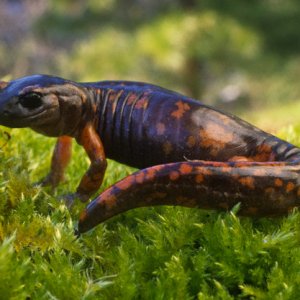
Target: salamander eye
(31,100)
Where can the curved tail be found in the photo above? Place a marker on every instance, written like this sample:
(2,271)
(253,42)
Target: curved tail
(262,189)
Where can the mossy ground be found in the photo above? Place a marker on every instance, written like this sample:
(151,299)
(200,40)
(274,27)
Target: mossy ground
(150,253)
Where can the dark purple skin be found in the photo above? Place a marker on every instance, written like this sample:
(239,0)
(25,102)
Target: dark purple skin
(195,155)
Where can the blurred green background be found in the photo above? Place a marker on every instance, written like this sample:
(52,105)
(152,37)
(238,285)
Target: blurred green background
(239,55)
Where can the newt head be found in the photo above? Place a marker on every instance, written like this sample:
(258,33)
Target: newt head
(47,104)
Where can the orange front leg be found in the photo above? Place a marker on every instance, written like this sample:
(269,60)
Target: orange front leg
(92,179)
(60,159)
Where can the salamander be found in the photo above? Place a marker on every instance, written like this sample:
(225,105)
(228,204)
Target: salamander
(190,154)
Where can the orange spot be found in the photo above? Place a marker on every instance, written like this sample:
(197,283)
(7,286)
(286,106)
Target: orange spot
(185,168)
(131,99)
(116,98)
(240,158)
(247,181)
(199,178)
(142,103)
(278,182)
(112,97)
(203,170)
(150,173)
(158,167)
(226,169)
(191,142)
(160,128)
(167,148)
(174,175)
(259,172)
(125,183)
(298,192)
(139,177)
(215,137)
(264,153)
(181,109)
(289,187)
(111,201)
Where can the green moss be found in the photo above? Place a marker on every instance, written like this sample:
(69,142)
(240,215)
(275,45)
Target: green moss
(148,253)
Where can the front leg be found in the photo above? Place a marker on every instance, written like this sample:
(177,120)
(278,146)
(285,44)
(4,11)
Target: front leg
(92,179)
(60,159)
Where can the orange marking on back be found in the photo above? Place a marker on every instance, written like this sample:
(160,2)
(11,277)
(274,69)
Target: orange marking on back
(289,187)
(215,137)
(278,182)
(125,183)
(150,173)
(259,172)
(199,178)
(112,96)
(185,168)
(181,109)
(158,167)
(203,170)
(226,169)
(247,181)
(264,153)
(131,99)
(111,201)
(240,158)
(139,178)
(116,97)
(142,103)
(160,128)
(174,175)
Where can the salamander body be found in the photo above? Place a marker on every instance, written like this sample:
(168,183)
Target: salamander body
(190,154)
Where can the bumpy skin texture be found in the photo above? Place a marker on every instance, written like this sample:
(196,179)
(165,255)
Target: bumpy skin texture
(194,155)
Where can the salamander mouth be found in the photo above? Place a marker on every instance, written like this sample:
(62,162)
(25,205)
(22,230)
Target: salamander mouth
(21,121)
(37,114)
